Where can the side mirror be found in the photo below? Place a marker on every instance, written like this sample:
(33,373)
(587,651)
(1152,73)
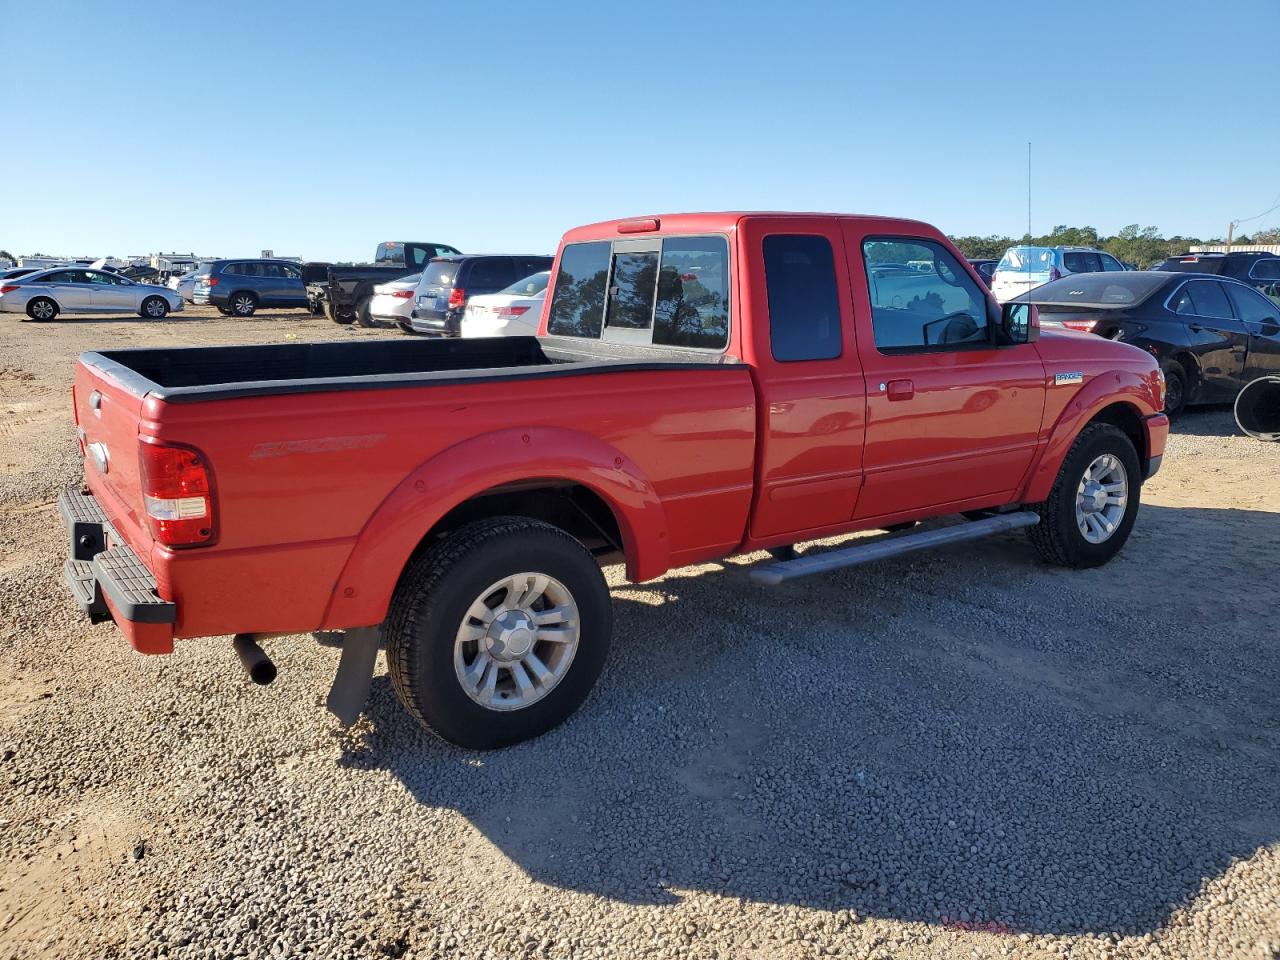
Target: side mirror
(1020,323)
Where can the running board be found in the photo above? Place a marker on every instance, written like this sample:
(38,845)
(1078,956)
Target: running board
(774,573)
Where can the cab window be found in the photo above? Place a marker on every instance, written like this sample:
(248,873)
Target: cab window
(922,299)
(804,306)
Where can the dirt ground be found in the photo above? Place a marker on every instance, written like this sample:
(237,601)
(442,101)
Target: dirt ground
(954,755)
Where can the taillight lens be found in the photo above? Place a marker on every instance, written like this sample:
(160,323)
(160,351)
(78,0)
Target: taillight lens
(509,312)
(210,281)
(8,288)
(402,294)
(178,494)
(457,297)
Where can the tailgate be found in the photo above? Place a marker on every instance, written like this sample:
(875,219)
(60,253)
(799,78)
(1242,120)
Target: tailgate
(107,418)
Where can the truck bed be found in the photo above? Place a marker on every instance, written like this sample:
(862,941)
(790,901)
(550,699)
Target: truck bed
(217,373)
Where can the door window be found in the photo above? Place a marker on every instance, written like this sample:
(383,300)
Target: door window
(1207,300)
(1250,306)
(804,306)
(934,306)
(100,279)
(62,276)
(1265,270)
(1109,262)
(1078,262)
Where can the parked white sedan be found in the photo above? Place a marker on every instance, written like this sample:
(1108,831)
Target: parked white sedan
(513,312)
(393,301)
(46,293)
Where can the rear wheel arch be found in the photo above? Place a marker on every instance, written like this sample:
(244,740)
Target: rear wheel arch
(1192,374)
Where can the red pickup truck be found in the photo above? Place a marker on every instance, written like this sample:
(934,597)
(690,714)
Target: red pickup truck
(701,385)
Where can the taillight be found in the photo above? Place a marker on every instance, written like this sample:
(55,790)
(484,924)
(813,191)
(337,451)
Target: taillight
(211,282)
(1055,273)
(509,312)
(9,288)
(1084,326)
(457,297)
(402,294)
(178,494)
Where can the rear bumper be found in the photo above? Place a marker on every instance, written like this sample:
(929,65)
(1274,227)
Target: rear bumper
(107,579)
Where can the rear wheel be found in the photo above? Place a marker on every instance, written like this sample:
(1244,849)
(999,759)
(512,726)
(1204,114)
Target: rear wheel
(336,315)
(498,632)
(1094,500)
(242,304)
(1175,389)
(364,317)
(154,308)
(42,308)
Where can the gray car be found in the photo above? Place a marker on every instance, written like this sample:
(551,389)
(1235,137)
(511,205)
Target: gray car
(46,293)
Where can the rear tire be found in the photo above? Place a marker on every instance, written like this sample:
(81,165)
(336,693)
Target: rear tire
(364,317)
(42,308)
(332,312)
(436,633)
(1102,457)
(1175,389)
(154,308)
(242,304)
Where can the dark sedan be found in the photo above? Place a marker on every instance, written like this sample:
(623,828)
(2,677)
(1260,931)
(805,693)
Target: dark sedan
(1211,335)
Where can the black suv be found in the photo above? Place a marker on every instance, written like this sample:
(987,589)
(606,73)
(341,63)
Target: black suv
(1258,269)
(449,282)
(239,287)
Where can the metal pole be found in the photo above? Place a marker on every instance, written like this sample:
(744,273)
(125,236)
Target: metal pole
(1028,191)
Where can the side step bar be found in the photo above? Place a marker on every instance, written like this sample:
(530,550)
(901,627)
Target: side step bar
(852,556)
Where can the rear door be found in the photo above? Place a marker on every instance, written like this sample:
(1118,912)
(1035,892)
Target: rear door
(1218,338)
(950,416)
(1081,261)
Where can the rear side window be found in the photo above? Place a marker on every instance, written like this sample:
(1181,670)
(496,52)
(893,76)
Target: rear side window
(1266,270)
(635,279)
(804,307)
(577,305)
(693,293)
(491,273)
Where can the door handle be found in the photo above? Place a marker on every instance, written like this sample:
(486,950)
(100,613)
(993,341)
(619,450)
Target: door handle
(1195,328)
(900,389)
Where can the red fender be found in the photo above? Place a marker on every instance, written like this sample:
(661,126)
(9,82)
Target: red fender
(363,591)
(1103,390)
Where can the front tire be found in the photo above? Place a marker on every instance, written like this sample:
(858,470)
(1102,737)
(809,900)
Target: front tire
(154,308)
(42,308)
(1094,501)
(498,632)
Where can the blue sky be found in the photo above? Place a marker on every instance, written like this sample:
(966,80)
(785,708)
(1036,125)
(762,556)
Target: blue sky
(321,129)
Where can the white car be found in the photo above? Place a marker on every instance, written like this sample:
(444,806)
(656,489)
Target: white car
(46,293)
(393,301)
(185,285)
(1024,268)
(513,312)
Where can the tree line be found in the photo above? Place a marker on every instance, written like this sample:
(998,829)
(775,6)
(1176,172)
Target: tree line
(1143,246)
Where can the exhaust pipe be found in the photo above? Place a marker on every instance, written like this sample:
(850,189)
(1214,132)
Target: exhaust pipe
(1258,409)
(254,659)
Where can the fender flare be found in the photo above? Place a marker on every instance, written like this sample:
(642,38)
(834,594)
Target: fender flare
(363,591)
(1102,391)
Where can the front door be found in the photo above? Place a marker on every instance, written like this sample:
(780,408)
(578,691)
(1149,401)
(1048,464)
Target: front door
(1216,336)
(114,294)
(951,417)
(1262,316)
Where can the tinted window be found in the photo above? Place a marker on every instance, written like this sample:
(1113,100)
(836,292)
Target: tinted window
(530,265)
(1251,306)
(1208,299)
(1082,262)
(631,290)
(937,306)
(1110,263)
(1266,270)
(491,273)
(693,293)
(804,308)
(577,306)
(62,276)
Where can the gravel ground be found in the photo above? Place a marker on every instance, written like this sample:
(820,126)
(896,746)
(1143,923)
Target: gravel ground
(958,754)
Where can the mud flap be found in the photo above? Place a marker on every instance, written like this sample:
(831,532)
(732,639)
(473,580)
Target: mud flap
(350,690)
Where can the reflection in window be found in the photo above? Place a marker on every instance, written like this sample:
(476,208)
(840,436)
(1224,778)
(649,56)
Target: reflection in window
(693,293)
(577,306)
(631,296)
(938,306)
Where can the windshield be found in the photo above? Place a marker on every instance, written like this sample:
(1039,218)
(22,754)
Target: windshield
(1027,260)
(1116,289)
(389,251)
(530,286)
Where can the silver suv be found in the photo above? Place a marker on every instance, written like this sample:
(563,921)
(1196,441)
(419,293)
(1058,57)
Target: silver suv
(1025,268)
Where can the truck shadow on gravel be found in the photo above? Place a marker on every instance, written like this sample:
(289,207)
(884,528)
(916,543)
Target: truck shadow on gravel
(966,738)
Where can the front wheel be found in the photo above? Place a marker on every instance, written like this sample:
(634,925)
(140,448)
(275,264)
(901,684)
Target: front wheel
(1175,389)
(1094,500)
(154,308)
(497,633)
(42,308)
